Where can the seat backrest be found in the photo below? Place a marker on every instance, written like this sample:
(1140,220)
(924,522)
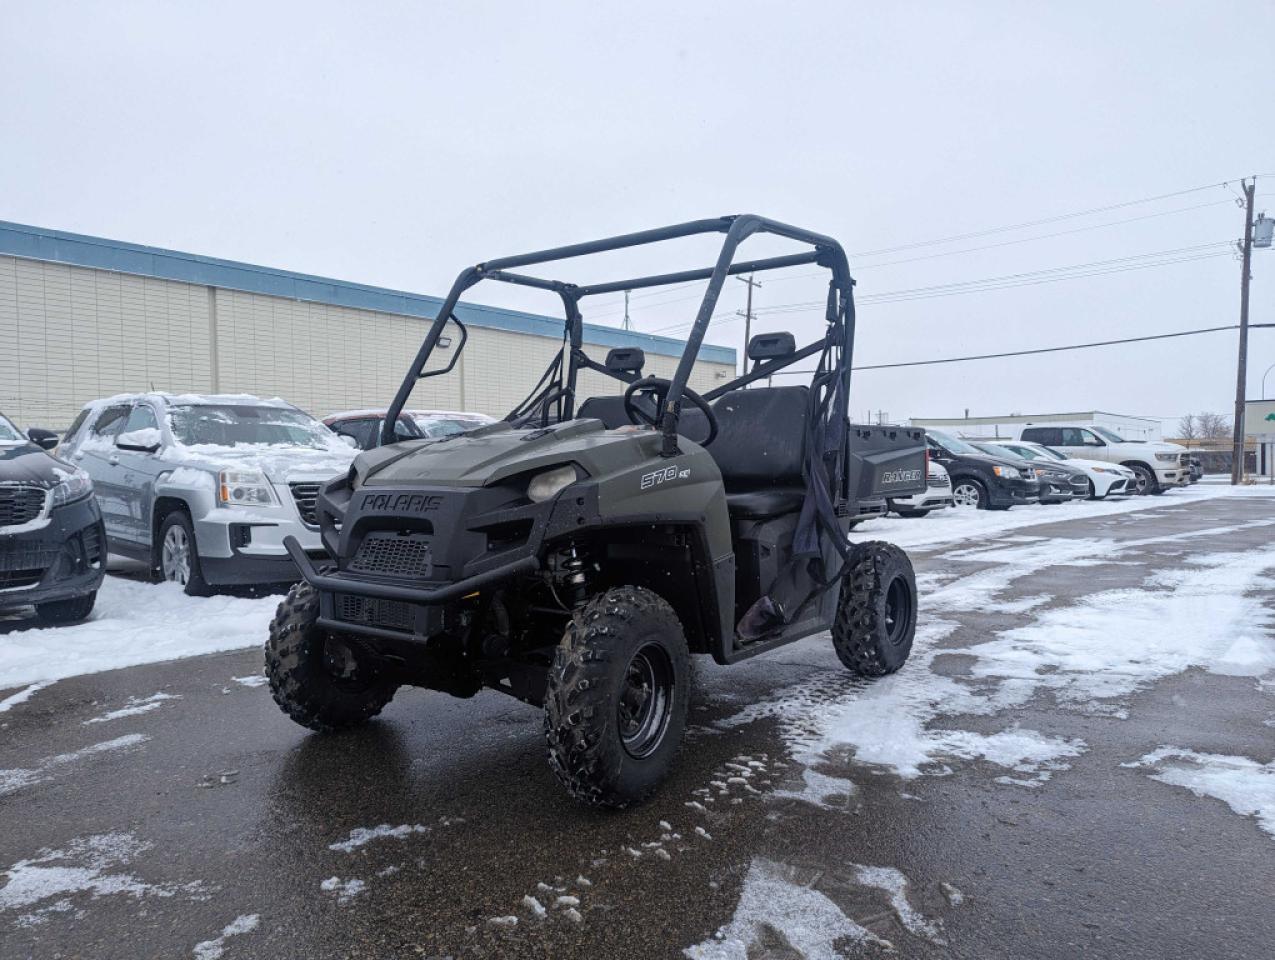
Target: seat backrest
(761,436)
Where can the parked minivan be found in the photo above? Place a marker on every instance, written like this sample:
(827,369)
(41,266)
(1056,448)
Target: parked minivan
(205,488)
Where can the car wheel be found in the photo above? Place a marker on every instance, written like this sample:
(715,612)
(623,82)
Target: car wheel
(178,559)
(1145,480)
(970,493)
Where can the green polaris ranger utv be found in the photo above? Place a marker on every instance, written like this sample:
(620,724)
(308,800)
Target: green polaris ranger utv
(575,554)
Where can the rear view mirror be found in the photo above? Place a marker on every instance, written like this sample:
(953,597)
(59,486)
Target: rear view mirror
(349,440)
(45,439)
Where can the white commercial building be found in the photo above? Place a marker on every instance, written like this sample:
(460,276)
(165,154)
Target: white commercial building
(83,317)
(1131,428)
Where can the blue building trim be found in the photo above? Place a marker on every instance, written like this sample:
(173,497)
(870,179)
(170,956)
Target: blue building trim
(57,246)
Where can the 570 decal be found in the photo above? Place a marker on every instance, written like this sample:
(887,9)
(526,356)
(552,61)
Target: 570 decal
(663,475)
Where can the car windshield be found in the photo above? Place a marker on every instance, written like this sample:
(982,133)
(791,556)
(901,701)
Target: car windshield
(1053,453)
(8,432)
(1028,453)
(996,450)
(951,444)
(1108,435)
(432,425)
(235,425)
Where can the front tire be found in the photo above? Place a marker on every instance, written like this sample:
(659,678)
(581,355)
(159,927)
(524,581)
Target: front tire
(969,492)
(1147,484)
(876,611)
(178,555)
(617,696)
(301,679)
(66,611)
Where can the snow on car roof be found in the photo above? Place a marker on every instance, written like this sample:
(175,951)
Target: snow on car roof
(196,399)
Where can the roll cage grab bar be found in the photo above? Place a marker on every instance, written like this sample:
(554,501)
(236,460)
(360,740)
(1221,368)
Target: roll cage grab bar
(826,253)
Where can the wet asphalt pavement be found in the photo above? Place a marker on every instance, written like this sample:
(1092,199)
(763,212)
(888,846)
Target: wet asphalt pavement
(167,826)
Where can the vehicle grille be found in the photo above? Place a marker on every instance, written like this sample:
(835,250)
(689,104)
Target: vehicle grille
(306,496)
(394,555)
(373,612)
(20,504)
(1184,459)
(24,564)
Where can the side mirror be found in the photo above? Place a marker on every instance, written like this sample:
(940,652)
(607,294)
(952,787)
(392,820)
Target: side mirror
(44,439)
(349,440)
(146,440)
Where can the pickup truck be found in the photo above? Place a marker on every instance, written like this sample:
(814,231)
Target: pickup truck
(1156,464)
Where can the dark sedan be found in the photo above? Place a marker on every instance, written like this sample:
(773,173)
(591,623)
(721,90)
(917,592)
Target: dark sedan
(1058,481)
(52,545)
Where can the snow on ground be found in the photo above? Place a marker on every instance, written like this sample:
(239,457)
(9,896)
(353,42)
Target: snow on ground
(43,885)
(213,949)
(1246,786)
(15,779)
(135,707)
(134,623)
(364,835)
(23,695)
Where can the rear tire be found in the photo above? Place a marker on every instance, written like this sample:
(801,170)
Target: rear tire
(876,611)
(617,696)
(66,611)
(301,681)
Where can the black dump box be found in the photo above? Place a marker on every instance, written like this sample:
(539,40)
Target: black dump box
(885,461)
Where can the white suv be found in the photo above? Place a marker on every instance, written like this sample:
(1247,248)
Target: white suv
(1156,464)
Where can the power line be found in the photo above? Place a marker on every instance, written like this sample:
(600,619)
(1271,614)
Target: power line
(1038,350)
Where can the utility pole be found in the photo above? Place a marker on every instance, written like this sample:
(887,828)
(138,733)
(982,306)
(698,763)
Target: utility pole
(1241,377)
(747,315)
(627,325)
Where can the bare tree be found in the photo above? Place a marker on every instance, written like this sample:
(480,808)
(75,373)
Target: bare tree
(1213,426)
(1188,428)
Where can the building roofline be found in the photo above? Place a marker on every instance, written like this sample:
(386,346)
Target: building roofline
(99,253)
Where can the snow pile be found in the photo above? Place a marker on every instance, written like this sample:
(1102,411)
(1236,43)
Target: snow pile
(1246,786)
(213,949)
(134,623)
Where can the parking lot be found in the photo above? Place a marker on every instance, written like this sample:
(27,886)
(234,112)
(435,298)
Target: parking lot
(1076,761)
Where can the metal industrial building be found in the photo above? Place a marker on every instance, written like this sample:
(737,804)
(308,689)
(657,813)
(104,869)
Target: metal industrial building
(1131,428)
(82,317)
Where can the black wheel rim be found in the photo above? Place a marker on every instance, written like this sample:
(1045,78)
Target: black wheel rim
(898,611)
(645,701)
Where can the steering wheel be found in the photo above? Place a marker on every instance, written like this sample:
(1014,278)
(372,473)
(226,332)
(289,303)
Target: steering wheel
(658,388)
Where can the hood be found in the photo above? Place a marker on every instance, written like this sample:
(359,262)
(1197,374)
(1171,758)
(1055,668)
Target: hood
(1017,463)
(493,453)
(27,463)
(1091,464)
(279,463)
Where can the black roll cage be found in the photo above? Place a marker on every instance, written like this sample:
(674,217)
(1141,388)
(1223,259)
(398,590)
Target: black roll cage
(558,387)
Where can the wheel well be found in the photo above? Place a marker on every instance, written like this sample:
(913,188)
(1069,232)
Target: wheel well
(663,558)
(1137,463)
(163,507)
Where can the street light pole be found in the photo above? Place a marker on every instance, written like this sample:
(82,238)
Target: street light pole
(1237,445)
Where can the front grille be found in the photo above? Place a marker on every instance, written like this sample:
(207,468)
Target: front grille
(24,564)
(20,504)
(92,544)
(306,496)
(389,554)
(373,612)
(1184,459)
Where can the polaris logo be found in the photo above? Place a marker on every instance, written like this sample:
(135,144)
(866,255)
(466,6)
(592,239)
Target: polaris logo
(401,502)
(900,476)
(664,475)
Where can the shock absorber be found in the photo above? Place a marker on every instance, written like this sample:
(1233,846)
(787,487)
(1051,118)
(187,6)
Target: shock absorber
(572,578)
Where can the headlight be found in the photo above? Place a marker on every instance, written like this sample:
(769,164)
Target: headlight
(1007,471)
(243,488)
(551,483)
(76,486)
(1103,470)
(1167,457)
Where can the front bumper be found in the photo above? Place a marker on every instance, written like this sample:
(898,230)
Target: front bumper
(63,559)
(1013,491)
(239,545)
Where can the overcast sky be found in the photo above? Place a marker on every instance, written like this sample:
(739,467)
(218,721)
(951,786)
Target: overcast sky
(394,144)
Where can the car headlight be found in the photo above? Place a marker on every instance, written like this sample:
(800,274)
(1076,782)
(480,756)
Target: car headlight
(1103,470)
(1167,457)
(244,488)
(1007,471)
(75,486)
(549,484)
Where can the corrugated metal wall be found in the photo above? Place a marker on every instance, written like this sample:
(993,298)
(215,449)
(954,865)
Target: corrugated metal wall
(72,334)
